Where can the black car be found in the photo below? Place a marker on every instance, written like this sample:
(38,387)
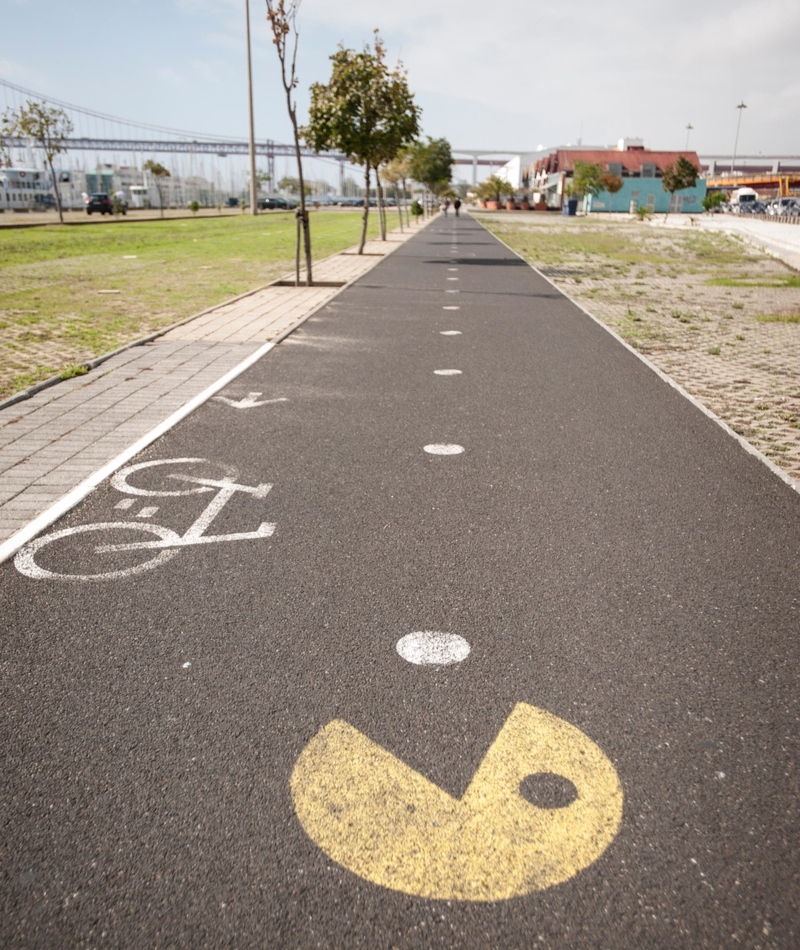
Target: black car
(231,202)
(100,202)
(272,202)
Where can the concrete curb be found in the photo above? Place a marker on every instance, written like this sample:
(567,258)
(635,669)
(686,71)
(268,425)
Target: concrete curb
(50,515)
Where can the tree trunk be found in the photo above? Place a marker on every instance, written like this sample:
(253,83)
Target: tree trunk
(381,211)
(298,226)
(302,213)
(399,207)
(367,170)
(408,220)
(55,189)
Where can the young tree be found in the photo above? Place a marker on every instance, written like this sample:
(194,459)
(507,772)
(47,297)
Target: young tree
(586,179)
(282,17)
(396,172)
(262,178)
(400,128)
(160,173)
(494,188)
(432,164)
(677,176)
(292,185)
(713,200)
(48,126)
(612,184)
(365,111)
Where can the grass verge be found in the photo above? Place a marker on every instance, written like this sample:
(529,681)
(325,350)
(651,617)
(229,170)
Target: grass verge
(72,294)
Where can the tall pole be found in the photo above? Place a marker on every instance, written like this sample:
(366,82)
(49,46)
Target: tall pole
(253,182)
(689,128)
(736,143)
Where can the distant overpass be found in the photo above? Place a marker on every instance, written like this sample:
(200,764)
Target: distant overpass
(267,149)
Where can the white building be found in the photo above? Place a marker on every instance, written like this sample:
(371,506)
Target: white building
(515,171)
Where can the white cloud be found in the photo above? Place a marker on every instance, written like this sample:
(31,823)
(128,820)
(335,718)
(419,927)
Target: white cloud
(617,68)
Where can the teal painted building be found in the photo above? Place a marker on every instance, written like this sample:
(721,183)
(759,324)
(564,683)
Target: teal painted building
(639,169)
(649,193)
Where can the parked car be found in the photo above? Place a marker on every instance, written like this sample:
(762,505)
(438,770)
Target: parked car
(784,206)
(274,201)
(99,201)
(231,202)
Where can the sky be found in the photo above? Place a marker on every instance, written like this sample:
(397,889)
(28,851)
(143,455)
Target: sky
(522,76)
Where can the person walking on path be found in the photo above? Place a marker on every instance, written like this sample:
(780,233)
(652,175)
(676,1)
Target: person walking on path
(457,205)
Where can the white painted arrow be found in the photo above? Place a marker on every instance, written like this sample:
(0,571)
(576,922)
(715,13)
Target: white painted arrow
(250,400)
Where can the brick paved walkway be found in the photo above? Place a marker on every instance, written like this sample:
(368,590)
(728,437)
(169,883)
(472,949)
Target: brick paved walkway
(52,442)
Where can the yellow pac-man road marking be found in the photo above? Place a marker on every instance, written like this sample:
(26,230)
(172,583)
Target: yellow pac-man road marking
(387,823)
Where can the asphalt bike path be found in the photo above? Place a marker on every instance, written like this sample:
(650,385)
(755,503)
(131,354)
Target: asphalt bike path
(472,633)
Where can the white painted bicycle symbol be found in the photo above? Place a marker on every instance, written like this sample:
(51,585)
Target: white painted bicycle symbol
(167,542)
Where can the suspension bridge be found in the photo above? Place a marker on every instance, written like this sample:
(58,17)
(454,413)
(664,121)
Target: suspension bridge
(128,141)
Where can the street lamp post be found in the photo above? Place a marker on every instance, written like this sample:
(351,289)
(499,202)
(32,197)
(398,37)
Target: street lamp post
(253,181)
(689,128)
(736,142)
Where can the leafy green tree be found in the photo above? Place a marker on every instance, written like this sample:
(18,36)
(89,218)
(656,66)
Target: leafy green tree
(262,178)
(679,175)
(586,179)
(48,126)
(282,18)
(494,188)
(160,173)
(432,164)
(713,200)
(365,111)
(396,172)
(612,184)
(292,185)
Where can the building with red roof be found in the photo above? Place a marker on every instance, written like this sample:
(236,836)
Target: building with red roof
(639,169)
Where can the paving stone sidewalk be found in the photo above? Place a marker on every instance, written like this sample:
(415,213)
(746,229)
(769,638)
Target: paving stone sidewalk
(59,437)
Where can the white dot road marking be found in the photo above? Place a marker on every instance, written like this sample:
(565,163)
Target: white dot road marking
(452,278)
(452,269)
(125,503)
(447,372)
(147,512)
(452,291)
(450,333)
(429,648)
(451,308)
(443,448)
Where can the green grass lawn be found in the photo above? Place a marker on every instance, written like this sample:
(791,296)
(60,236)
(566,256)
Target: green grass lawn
(54,312)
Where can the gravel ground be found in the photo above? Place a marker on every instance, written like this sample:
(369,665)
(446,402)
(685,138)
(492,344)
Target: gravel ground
(734,346)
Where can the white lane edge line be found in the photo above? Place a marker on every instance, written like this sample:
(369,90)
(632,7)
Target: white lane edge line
(11,545)
(88,485)
(784,477)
